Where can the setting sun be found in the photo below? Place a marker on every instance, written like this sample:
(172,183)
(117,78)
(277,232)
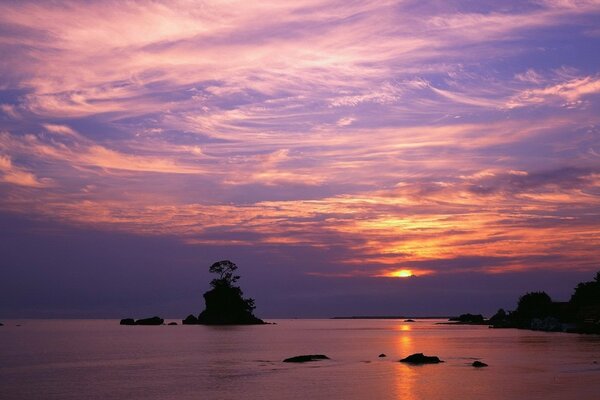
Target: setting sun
(401,273)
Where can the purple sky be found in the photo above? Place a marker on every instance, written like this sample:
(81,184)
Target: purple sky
(326,147)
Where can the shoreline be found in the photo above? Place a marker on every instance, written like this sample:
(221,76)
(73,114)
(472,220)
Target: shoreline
(390,317)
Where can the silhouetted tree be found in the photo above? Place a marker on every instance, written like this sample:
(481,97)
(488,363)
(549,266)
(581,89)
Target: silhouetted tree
(500,316)
(225,269)
(585,297)
(534,305)
(224,285)
(587,293)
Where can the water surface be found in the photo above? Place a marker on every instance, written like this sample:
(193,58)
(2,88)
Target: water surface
(99,359)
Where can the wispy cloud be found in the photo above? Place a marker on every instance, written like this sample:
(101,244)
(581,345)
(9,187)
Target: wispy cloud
(68,147)
(440,137)
(9,173)
(568,93)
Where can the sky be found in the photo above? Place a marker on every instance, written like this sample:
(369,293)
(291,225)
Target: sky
(352,158)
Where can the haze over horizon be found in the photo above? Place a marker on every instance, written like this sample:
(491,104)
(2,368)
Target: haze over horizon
(352,158)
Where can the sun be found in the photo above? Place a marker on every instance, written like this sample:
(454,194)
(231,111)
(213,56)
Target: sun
(401,273)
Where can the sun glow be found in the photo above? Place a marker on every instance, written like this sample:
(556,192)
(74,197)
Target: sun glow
(403,273)
(400,273)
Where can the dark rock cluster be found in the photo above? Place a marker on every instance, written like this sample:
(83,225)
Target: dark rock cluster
(306,358)
(468,319)
(224,303)
(190,320)
(420,358)
(143,321)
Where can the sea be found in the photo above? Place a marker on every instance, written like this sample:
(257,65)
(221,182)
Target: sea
(100,359)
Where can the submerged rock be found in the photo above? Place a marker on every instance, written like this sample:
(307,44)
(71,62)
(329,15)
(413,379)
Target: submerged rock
(172,323)
(150,321)
(420,358)
(127,321)
(382,355)
(479,364)
(306,358)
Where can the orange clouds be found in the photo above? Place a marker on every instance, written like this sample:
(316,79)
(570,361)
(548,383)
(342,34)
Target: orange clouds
(381,229)
(396,135)
(81,152)
(9,173)
(569,92)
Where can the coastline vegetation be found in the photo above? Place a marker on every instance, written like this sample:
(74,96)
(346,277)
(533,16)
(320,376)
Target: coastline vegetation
(537,311)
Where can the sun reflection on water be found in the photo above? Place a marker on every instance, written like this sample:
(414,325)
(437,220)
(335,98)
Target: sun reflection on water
(404,375)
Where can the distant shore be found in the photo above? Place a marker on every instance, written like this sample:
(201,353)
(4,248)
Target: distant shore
(391,317)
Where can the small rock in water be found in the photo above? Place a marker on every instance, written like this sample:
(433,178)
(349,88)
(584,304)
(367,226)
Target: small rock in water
(419,358)
(127,321)
(1,324)
(409,320)
(172,323)
(479,364)
(382,355)
(306,358)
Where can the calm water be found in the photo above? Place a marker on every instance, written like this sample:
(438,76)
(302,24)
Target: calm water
(99,359)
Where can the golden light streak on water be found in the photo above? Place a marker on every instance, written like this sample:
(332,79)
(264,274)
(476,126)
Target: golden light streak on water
(404,377)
